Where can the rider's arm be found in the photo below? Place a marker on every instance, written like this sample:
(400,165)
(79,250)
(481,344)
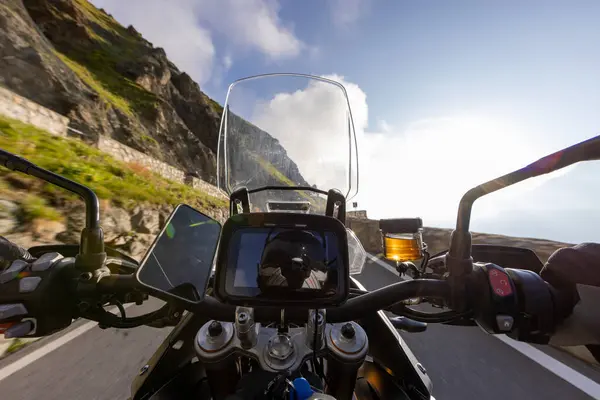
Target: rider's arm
(582,327)
(575,273)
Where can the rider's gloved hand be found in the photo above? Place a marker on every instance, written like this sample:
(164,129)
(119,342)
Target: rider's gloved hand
(10,252)
(575,274)
(34,297)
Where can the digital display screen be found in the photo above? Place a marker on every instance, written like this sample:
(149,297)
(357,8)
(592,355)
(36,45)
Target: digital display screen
(283,263)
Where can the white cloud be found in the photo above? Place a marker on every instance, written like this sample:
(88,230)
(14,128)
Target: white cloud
(422,170)
(227,62)
(384,127)
(185,29)
(253,24)
(357,99)
(311,124)
(425,169)
(347,12)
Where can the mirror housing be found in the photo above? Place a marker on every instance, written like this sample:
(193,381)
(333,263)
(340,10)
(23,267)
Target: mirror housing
(587,150)
(179,262)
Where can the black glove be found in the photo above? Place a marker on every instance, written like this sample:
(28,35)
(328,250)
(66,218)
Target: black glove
(574,272)
(34,293)
(10,252)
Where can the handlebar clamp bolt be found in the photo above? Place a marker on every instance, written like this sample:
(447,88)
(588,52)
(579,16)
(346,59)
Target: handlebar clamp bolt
(348,331)
(242,318)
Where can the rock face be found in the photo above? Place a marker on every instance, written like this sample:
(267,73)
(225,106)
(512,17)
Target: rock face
(108,80)
(8,216)
(131,231)
(258,155)
(115,222)
(146,220)
(78,61)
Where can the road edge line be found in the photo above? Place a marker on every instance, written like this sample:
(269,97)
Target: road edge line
(568,374)
(563,371)
(49,347)
(382,264)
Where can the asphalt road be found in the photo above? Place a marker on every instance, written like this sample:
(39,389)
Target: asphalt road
(463,363)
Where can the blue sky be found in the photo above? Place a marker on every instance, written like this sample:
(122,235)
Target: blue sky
(448,93)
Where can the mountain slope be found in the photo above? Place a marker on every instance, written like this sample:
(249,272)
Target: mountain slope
(79,61)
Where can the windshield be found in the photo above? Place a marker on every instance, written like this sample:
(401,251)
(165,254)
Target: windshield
(287,130)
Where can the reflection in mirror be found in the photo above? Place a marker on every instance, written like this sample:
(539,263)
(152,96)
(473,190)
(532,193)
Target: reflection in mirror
(181,258)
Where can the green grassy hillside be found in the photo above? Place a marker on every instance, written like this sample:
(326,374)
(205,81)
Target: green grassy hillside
(125,185)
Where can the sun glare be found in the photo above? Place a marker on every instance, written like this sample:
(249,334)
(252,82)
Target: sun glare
(425,169)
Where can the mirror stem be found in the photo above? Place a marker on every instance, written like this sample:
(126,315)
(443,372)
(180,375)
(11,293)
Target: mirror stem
(91,250)
(583,151)
(458,259)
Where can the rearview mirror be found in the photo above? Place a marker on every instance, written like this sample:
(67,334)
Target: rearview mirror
(179,262)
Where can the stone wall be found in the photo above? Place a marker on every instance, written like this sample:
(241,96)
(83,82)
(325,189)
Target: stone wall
(14,106)
(367,232)
(203,186)
(126,154)
(358,214)
(17,107)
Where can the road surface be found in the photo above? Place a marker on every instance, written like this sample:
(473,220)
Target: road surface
(463,363)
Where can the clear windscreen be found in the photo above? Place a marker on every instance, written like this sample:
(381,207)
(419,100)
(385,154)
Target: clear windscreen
(287,130)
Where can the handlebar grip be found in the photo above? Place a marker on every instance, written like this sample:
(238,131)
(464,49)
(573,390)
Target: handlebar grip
(516,302)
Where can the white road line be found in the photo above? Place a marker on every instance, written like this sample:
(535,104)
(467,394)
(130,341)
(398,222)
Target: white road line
(381,263)
(573,377)
(47,348)
(561,370)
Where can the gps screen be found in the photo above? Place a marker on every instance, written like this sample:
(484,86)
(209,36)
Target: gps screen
(274,261)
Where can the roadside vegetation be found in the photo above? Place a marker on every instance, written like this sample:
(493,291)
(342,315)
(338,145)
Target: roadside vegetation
(125,185)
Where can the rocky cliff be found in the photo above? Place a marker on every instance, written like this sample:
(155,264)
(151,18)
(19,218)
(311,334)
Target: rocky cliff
(254,155)
(108,80)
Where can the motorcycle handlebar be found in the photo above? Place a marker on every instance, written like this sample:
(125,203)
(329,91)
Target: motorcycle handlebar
(526,294)
(115,283)
(355,308)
